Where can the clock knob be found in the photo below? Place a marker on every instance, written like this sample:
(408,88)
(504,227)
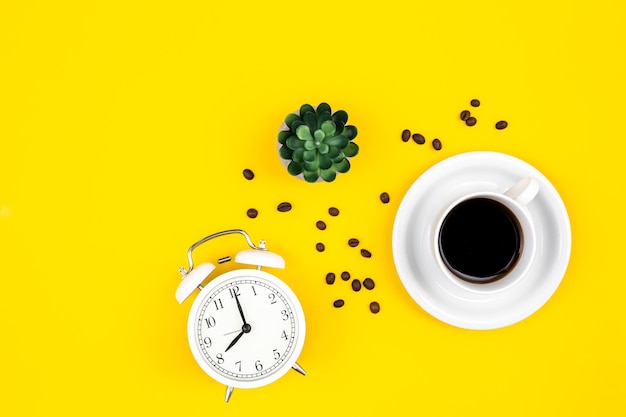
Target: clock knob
(260,258)
(192,280)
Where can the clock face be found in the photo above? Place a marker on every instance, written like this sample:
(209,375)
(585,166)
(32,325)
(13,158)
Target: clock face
(246,328)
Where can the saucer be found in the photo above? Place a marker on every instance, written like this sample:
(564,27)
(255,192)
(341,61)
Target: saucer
(417,268)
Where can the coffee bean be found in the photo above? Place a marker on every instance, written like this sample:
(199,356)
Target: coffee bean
(320,225)
(374,307)
(419,138)
(333,211)
(356,285)
(437,144)
(252,213)
(345,275)
(353,243)
(365,253)
(338,303)
(369,283)
(248,174)
(320,247)
(284,207)
(465,114)
(330,278)
(406,135)
(384,198)
(471,121)
(502,124)
(475,103)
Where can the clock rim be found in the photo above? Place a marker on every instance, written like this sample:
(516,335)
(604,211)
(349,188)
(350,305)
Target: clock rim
(241,274)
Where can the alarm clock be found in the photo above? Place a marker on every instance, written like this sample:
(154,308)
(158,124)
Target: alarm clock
(246,327)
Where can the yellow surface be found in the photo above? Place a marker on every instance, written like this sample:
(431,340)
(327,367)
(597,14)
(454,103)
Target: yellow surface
(124,128)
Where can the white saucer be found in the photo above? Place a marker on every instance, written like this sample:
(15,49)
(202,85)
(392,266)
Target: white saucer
(428,285)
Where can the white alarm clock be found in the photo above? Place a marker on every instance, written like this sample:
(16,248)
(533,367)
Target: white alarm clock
(246,327)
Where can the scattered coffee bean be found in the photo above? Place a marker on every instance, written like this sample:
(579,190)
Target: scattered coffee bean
(333,211)
(248,174)
(252,213)
(330,278)
(419,138)
(345,275)
(471,121)
(502,124)
(356,285)
(365,253)
(338,303)
(465,114)
(406,135)
(475,103)
(369,283)
(374,307)
(353,243)
(284,207)
(437,144)
(384,197)
(320,225)
(320,247)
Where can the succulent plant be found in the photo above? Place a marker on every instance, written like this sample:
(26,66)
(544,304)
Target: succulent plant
(317,143)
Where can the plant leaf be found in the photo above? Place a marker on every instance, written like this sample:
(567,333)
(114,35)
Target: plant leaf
(311,120)
(323,148)
(294,143)
(306,108)
(295,125)
(298,155)
(304,133)
(319,135)
(333,151)
(323,117)
(350,132)
(323,108)
(343,166)
(351,150)
(308,155)
(339,141)
(324,162)
(291,117)
(309,145)
(311,165)
(283,135)
(329,128)
(294,168)
(285,152)
(311,176)
(340,116)
(328,175)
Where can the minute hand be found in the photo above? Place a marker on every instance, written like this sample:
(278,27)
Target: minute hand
(240,309)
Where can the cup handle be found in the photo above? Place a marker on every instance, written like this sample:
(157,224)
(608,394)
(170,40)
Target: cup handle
(524,190)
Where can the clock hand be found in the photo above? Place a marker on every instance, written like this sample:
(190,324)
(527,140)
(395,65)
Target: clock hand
(244,329)
(240,309)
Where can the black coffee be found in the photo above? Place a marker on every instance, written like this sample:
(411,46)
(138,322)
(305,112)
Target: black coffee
(480,240)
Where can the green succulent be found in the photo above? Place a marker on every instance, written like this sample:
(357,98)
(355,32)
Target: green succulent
(318,142)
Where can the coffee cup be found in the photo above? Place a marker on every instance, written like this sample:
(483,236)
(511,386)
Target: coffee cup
(486,241)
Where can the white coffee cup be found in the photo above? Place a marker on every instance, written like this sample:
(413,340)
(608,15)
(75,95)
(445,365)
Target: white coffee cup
(486,241)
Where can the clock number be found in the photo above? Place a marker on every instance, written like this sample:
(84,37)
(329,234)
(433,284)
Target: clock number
(207,341)
(234,292)
(220,358)
(210,321)
(284,335)
(276,354)
(258,365)
(218,304)
(238,364)
(285,315)
(272,297)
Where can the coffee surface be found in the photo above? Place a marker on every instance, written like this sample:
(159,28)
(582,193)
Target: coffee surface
(480,240)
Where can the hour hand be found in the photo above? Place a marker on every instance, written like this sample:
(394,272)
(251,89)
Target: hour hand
(235,340)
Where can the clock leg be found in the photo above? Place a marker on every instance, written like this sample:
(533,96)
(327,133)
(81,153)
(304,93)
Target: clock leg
(229,392)
(298,369)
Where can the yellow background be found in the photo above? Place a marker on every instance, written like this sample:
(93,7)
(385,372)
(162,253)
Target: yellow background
(124,128)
